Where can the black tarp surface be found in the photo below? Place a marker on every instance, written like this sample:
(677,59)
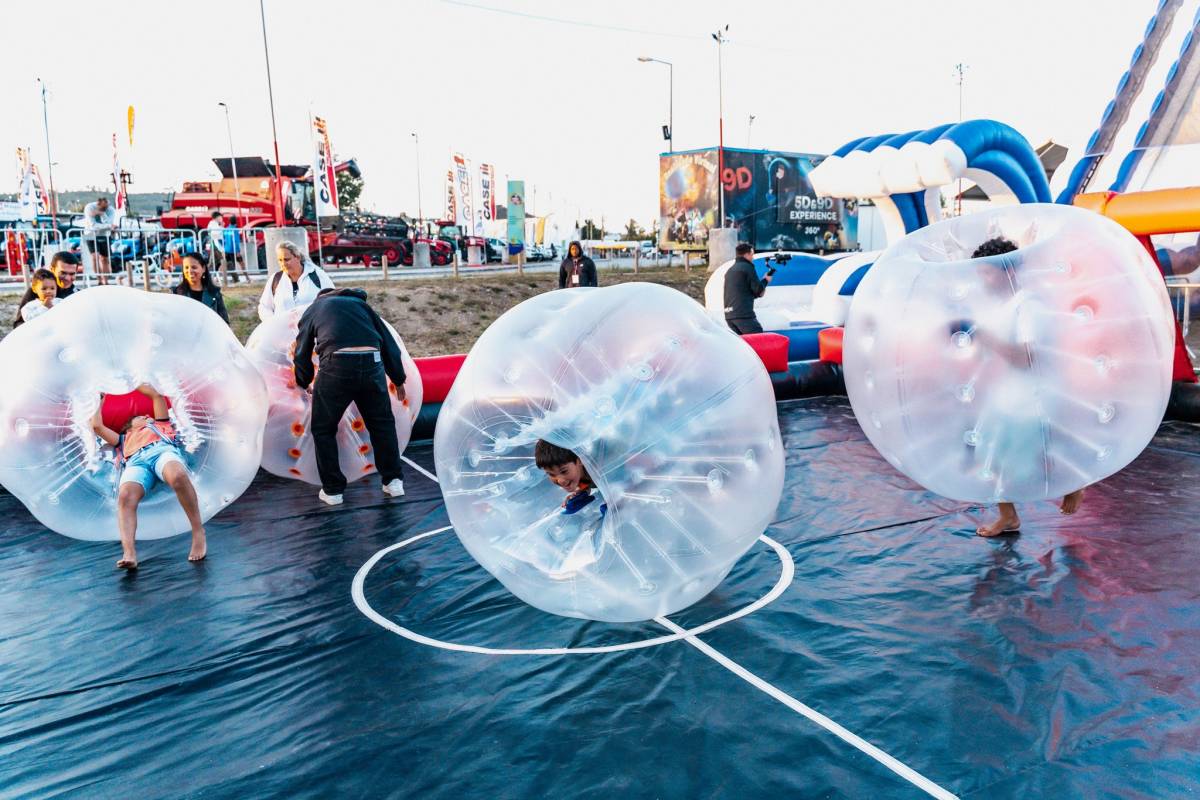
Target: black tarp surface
(1061,663)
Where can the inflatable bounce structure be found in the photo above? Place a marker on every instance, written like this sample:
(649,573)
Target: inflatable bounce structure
(287,444)
(671,414)
(1022,376)
(110,340)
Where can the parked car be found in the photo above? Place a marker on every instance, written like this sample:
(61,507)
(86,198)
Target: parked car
(495,250)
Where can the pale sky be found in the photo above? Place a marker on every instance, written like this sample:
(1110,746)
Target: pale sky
(551,92)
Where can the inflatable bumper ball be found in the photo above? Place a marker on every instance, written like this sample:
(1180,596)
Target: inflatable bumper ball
(672,416)
(1015,377)
(288,445)
(110,340)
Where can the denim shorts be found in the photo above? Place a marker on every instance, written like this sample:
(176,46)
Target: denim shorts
(146,465)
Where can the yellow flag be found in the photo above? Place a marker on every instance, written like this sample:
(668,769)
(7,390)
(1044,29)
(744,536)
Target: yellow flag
(129,116)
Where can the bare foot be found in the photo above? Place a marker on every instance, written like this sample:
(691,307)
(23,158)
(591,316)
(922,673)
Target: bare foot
(1006,524)
(199,546)
(1071,503)
(127,561)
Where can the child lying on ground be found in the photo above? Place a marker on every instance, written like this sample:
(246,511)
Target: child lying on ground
(151,454)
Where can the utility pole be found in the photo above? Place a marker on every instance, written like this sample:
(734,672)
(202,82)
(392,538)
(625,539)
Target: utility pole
(49,160)
(237,188)
(670,131)
(420,214)
(274,133)
(960,70)
(749,131)
(720,38)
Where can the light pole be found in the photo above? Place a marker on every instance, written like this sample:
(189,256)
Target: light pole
(49,160)
(420,213)
(960,70)
(274,133)
(720,38)
(237,187)
(670,98)
(749,130)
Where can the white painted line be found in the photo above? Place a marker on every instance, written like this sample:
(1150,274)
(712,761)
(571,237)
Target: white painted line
(906,772)
(419,468)
(786,573)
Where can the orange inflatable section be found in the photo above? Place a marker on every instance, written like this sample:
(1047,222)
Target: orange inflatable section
(1145,214)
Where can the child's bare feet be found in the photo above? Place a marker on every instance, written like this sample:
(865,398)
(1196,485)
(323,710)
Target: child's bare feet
(1071,503)
(128,560)
(199,546)
(1008,522)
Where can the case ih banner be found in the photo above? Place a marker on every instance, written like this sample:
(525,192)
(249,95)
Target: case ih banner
(121,201)
(451,203)
(462,183)
(487,193)
(324,181)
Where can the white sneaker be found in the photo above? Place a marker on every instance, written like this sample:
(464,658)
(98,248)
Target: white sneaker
(330,499)
(395,488)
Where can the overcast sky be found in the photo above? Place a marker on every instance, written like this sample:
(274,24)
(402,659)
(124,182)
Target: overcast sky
(548,91)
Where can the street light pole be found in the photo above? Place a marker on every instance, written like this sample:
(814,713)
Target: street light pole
(420,213)
(49,160)
(274,133)
(720,39)
(237,187)
(670,97)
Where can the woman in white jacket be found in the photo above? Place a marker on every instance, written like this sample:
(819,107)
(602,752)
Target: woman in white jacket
(296,284)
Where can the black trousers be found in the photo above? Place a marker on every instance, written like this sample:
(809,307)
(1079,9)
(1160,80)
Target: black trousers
(744,325)
(353,378)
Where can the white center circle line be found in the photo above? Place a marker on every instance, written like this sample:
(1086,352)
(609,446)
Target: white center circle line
(786,574)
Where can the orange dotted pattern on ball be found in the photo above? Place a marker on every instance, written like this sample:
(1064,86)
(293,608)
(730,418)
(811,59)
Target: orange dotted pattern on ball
(295,472)
(368,467)
(357,425)
(363,449)
(294,452)
(297,429)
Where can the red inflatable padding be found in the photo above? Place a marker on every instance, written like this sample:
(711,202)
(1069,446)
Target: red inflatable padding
(117,409)
(771,348)
(438,374)
(829,343)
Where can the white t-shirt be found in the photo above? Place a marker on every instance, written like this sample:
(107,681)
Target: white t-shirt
(34,309)
(288,295)
(96,221)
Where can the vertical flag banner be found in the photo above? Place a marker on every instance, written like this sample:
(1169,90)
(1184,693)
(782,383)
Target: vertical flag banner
(516,212)
(476,202)
(462,183)
(129,120)
(487,191)
(451,205)
(121,200)
(324,179)
(27,196)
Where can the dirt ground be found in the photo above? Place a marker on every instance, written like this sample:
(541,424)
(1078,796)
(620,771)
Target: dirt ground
(435,316)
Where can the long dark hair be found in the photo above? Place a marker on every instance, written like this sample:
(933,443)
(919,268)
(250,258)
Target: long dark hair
(30,295)
(575,244)
(206,279)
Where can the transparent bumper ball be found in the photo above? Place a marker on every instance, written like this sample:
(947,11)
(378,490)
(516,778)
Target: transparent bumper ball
(112,339)
(1016,377)
(671,414)
(288,444)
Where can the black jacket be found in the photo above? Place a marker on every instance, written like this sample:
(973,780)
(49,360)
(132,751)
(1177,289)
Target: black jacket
(587,272)
(342,318)
(211,297)
(742,286)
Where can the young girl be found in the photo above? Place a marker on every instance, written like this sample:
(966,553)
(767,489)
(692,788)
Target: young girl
(198,284)
(39,298)
(151,455)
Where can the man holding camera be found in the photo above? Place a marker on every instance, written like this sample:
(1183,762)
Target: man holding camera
(742,287)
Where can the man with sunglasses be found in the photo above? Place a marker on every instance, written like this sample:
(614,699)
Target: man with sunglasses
(65,266)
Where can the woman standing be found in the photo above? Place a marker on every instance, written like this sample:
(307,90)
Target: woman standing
(576,269)
(198,284)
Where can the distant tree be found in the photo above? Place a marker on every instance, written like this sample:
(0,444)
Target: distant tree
(348,188)
(591,230)
(634,232)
